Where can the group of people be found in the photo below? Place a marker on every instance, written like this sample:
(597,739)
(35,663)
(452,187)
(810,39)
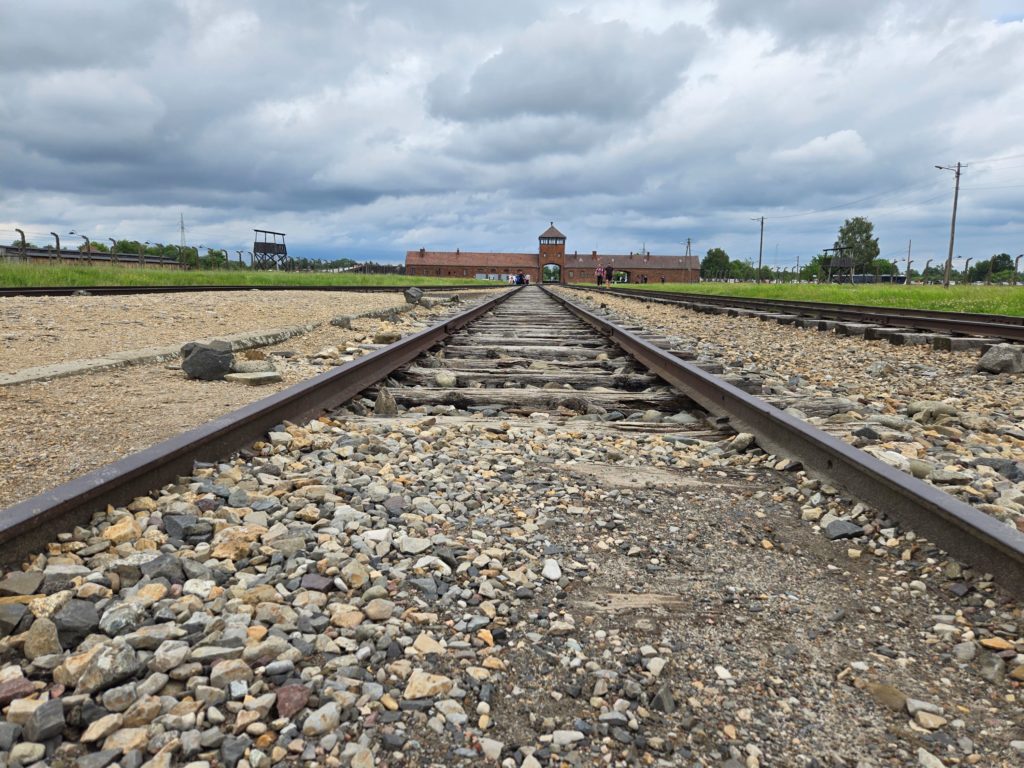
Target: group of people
(604,275)
(519,279)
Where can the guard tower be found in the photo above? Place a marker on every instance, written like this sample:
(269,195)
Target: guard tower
(269,251)
(552,251)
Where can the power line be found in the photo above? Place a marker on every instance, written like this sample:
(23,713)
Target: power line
(849,203)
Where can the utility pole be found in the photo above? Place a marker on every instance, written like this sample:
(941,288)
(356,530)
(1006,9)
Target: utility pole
(907,280)
(760,249)
(952,225)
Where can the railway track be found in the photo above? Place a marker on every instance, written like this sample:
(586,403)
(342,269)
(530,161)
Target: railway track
(908,321)
(525,370)
(125,290)
(528,352)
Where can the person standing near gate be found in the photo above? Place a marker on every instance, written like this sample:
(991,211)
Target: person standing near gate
(599,276)
(608,271)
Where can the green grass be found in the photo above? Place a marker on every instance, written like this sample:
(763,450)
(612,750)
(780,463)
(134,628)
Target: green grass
(989,299)
(20,275)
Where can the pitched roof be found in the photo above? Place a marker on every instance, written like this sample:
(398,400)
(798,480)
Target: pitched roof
(469,259)
(632,261)
(552,232)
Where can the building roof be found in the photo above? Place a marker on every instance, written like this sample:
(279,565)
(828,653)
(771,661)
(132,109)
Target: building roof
(552,232)
(470,259)
(631,261)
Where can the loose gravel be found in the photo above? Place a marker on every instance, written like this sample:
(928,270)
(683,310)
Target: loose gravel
(448,588)
(925,412)
(55,430)
(452,590)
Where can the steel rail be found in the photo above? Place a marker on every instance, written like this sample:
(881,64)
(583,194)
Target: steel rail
(122,290)
(955,526)
(28,525)
(962,323)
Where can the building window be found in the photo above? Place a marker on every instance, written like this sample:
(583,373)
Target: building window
(465,272)
(570,273)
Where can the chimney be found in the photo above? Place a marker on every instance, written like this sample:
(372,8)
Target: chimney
(594,254)
(423,252)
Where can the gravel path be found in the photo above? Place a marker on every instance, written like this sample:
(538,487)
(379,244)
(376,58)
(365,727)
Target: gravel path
(460,591)
(41,331)
(926,412)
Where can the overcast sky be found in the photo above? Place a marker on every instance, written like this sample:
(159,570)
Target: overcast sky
(367,129)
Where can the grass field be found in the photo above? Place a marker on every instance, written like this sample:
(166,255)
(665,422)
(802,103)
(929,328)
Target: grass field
(990,299)
(19,275)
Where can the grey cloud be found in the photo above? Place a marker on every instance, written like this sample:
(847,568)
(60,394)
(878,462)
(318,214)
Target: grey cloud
(570,66)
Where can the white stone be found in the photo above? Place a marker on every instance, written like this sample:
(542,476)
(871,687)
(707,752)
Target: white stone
(552,570)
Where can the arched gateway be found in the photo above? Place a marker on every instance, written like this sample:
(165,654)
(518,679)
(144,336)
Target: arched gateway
(551,264)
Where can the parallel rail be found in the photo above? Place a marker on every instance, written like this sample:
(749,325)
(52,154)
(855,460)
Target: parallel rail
(1008,327)
(29,525)
(957,527)
(127,290)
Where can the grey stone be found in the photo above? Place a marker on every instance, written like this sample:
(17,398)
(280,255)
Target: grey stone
(1002,358)
(253,366)
(98,759)
(112,664)
(233,749)
(322,720)
(21,583)
(412,295)
(75,621)
(342,321)
(46,722)
(385,404)
(10,616)
(122,618)
(60,577)
(663,700)
(208,362)
(254,378)
(9,733)
(164,566)
(843,529)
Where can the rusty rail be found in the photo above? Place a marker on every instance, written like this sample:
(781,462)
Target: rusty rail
(28,525)
(1008,327)
(124,290)
(955,526)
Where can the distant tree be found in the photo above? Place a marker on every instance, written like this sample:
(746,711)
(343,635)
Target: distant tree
(741,270)
(819,264)
(716,263)
(857,234)
(28,244)
(882,267)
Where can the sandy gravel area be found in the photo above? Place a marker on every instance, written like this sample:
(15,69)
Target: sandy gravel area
(40,331)
(53,431)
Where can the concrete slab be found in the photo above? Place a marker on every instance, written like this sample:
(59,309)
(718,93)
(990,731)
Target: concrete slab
(963,343)
(882,332)
(254,379)
(910,339)
(852,329)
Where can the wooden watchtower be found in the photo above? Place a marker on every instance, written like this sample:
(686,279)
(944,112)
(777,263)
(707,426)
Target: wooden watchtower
(269,251)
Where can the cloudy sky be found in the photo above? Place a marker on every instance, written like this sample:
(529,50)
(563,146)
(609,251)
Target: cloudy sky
(366,129)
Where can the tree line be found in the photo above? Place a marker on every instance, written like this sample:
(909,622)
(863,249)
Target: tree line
(855,248)
(213,258)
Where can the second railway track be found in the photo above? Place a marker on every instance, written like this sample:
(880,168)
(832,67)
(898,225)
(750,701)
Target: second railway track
(516,535)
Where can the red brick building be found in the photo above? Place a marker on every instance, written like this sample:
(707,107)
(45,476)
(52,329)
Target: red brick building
(571,267)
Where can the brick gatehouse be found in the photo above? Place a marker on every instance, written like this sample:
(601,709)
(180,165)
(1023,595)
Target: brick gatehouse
(562,267)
